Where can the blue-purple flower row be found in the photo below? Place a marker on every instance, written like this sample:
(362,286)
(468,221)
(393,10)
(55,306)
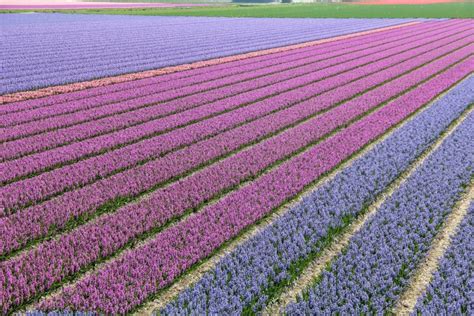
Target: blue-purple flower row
(373,271)
(451,292)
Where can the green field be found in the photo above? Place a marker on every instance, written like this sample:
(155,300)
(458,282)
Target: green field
(319,10)
(163,1)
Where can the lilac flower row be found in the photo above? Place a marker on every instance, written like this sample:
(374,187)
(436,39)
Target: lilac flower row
(377,264)
(24,226)
(197,106)
(46,184)
(135,219)
(71,68)
(451,292)
(232,286)
(129,280)
(194,76)
(109,53)
(211,80)
(37,46)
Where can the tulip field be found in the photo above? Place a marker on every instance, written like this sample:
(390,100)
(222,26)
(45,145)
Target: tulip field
(223,166)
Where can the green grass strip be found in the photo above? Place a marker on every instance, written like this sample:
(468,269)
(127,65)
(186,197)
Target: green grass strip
(315,10)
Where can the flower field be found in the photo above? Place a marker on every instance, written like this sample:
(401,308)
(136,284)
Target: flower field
(254,166)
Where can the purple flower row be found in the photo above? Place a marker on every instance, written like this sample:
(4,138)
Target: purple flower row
(194,76)
(232,285)
(370,275)
(49,49)
(39,161)
(129,280)
(71,68)
(451,292)
(87,244)
(196,107)
(18,229)
(210,80)
(30,190)
(105,57)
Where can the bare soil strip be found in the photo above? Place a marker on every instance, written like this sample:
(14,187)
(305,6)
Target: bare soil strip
(424,273)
